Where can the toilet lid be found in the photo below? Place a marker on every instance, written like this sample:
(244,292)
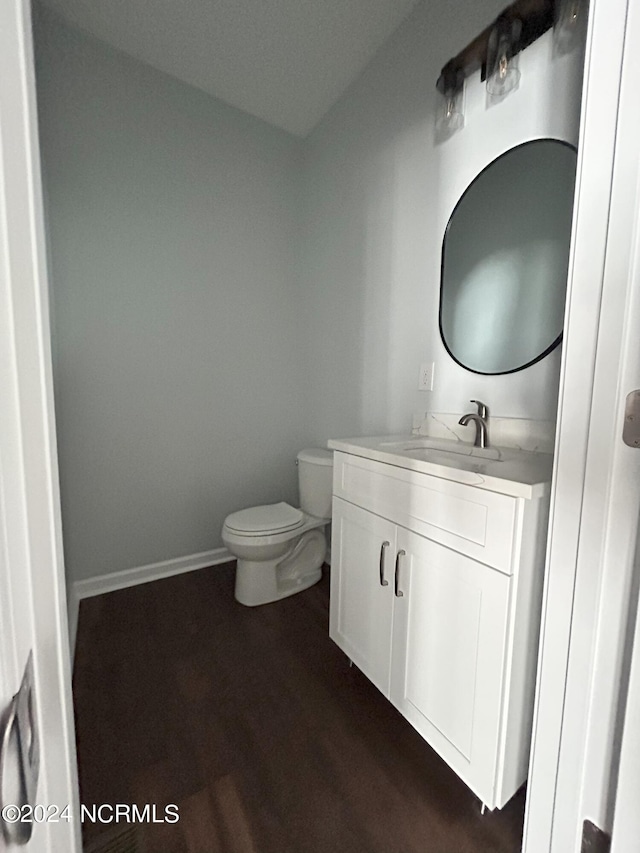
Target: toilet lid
(272,518)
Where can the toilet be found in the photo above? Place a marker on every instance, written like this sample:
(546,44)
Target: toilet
(280,549)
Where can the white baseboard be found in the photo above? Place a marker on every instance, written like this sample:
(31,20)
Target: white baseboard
(132,577)
(153,572)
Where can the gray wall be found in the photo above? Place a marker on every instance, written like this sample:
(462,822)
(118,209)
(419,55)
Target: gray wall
(172,234)
(371,245)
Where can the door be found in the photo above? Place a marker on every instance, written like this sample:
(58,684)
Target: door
(610,789)
(583,669)
(449,630)
(32,592)
(362,554)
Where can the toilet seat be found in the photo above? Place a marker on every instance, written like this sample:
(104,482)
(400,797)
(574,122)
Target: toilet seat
(264,520)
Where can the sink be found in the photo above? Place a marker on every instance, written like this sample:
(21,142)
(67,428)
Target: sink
(508,470)
(432,449)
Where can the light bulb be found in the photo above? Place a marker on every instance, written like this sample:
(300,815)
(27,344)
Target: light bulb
(503,75)
(568,30)
(449,118)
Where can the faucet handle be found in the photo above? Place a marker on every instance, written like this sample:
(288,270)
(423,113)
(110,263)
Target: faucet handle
(483,411)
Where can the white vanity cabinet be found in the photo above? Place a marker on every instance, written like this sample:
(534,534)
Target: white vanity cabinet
(435,596)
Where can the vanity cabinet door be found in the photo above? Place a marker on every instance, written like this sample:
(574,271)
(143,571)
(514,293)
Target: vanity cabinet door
(361,606)
(449,637)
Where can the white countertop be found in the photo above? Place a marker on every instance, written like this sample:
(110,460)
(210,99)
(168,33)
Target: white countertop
(498,469)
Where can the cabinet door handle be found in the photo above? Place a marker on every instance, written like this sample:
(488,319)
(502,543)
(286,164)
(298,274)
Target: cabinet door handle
(383,548)
(399,593)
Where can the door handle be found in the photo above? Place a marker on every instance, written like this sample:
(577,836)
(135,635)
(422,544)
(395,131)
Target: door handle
(383,548)
(19,721)
(396,583)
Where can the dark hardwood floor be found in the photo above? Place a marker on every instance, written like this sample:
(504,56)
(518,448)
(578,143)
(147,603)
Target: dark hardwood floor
(253,723)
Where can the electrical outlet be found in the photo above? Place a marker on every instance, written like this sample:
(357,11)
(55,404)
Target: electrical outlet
(425,380)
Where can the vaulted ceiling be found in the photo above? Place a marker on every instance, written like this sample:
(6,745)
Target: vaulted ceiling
(285,61)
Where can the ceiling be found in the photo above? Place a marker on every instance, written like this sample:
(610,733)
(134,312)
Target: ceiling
(285,61)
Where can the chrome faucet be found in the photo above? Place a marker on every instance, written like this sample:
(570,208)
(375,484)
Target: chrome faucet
(480,420)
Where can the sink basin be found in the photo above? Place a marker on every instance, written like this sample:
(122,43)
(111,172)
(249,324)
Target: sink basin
(434,448)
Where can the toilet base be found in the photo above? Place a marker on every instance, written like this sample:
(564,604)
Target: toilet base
(252,590)
(263,581)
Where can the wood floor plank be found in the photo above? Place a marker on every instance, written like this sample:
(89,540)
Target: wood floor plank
(252,721)
(154,786)
(199,824)
(237,826)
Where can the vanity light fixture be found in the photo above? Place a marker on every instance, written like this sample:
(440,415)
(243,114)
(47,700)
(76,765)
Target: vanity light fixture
(567,27)
(494,51)
(503,74)
(450,114)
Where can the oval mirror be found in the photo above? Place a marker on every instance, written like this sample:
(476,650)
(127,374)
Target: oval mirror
(505,257)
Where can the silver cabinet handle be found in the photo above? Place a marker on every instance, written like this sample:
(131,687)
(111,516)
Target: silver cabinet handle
(399,593)
(383,548)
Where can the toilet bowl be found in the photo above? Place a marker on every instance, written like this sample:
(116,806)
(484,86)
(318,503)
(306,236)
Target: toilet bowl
(280,549)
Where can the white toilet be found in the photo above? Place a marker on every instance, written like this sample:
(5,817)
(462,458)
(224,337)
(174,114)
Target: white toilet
(280,549)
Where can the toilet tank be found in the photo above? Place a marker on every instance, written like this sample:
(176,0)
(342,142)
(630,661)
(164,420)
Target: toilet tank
(315,479)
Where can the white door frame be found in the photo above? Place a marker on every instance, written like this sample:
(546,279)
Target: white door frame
(32,583)
(589,568)
(598,664)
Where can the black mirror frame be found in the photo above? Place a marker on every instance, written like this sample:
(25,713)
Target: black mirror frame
(558,340)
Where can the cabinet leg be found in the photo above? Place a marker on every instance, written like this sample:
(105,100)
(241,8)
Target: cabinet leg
(350,662)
